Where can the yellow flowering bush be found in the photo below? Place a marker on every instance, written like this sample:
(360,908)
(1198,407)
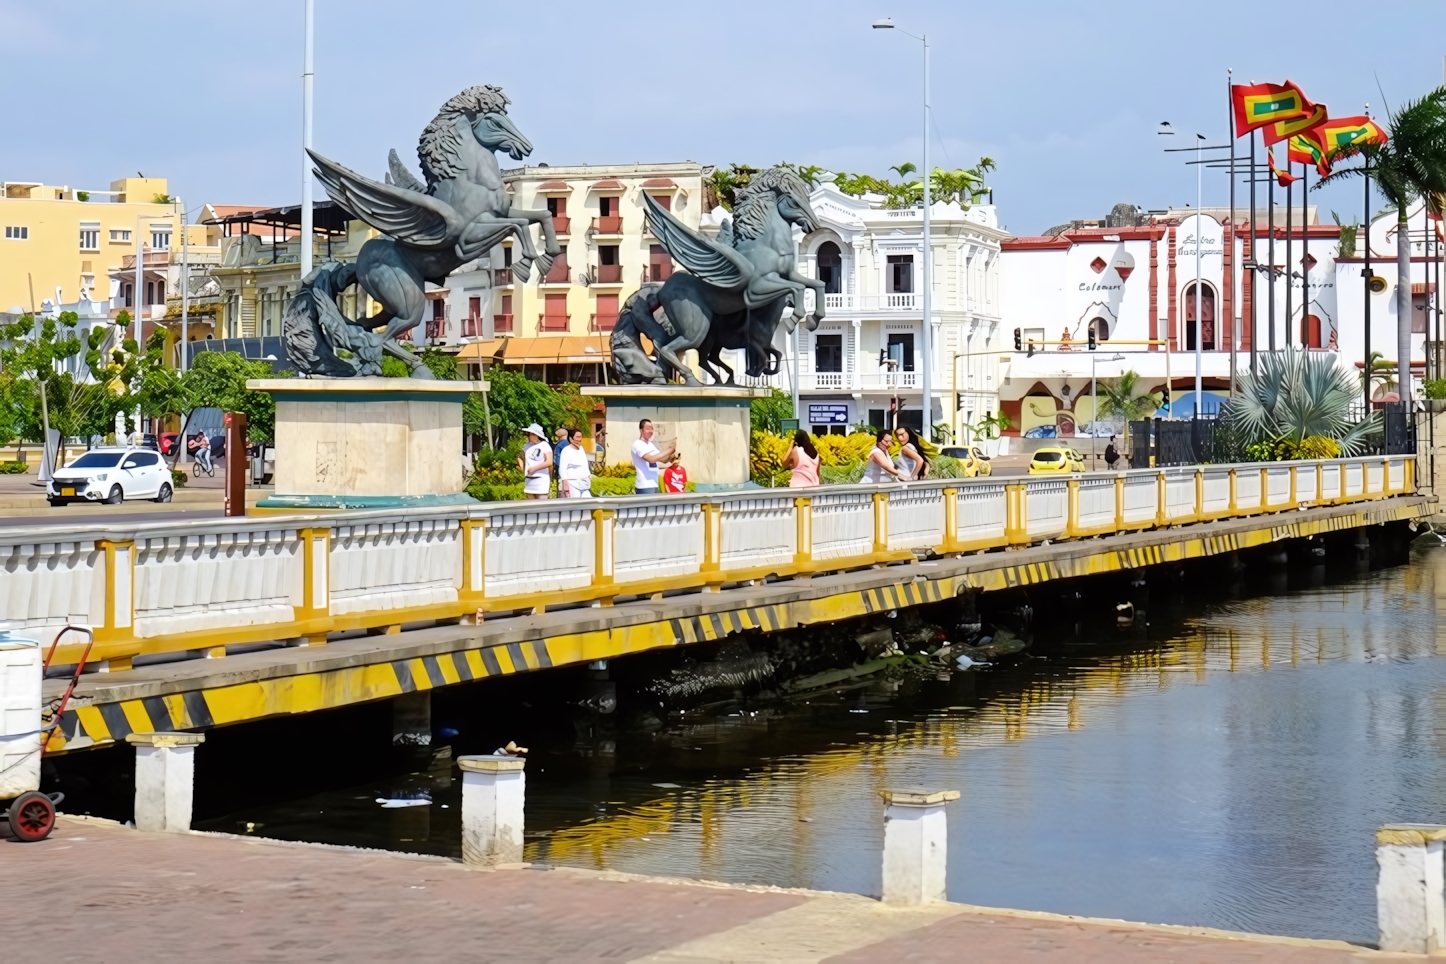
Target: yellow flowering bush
(843,450)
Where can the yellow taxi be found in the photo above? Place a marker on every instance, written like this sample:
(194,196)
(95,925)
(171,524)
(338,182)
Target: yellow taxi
(1056,459)
(971,458)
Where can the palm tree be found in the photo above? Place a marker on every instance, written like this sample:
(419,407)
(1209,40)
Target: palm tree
(1295,395)
(1411,164)
(1118,399)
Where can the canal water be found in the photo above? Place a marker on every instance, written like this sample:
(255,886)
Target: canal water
(1222,762)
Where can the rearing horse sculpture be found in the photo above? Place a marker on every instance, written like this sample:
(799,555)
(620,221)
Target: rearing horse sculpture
(430,229)
(735,290)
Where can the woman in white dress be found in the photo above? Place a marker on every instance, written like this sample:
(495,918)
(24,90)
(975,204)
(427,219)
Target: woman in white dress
(880,465)
(536,464)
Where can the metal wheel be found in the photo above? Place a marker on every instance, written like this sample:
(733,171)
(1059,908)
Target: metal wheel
(115,496)
(165,494)
(32,817)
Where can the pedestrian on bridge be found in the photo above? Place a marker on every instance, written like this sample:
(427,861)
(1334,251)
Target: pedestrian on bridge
(647,457)
(536,464)
(880,464)
(802,461)
(574,477)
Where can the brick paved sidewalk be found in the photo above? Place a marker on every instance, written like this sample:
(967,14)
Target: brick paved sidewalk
(100,892)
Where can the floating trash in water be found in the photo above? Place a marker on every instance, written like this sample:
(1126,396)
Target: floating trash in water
(406,798)
(668,786)
(964,662)
(447,732)
(858,711)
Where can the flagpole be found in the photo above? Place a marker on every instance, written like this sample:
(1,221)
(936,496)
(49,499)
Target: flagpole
(1290,282)
(1270,246)
(1304,253)
(1254,260)
(1199,242)
(1234,301)
(1366,274)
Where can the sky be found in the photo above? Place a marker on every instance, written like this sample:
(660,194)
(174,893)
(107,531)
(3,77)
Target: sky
(1064,96)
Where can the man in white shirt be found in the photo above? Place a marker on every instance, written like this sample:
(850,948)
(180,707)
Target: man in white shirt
(647,457)
(574,478)
(536,464)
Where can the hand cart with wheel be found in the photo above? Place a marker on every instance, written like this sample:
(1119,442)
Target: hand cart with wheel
(26,725)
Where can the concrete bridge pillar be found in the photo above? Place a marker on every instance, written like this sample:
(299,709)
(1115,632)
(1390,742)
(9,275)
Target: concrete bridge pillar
(915,844)
(1410,911)
(165,779)
(493,793)
(412,719)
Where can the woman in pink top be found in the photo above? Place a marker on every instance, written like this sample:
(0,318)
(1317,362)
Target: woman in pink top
(803,460)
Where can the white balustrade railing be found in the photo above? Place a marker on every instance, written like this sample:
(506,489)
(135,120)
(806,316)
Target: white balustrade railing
(187,586)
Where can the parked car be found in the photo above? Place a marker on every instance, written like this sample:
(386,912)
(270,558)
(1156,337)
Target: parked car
(168,442)
(111,475)
(979,466)
(1056,459)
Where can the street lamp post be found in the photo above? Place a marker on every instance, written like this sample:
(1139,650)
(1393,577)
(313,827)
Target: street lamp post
(925,348)
(306,78)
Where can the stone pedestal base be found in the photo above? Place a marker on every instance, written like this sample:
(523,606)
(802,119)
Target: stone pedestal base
(916,844)
(165,779)
(710,425)
(493,797)
(355,443)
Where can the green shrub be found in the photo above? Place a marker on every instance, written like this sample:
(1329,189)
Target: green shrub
(14,468)
(945,467)
(604,487)
(178,478)
(483,492)
(841,474)
(1435,387)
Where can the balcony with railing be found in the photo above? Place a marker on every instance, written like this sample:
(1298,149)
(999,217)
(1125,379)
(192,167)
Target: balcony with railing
(608,274)
(502,324)
(888,301)
(604,322)
(823,381)
(562,224)
(552,323)
(890,380)
(502,277)
(608,224)
(557,274)
(153,259)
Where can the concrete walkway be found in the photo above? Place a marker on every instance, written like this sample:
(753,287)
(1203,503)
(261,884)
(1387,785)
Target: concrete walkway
(97,891)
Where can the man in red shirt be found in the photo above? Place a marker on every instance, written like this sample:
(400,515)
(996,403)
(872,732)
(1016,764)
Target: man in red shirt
(674,477)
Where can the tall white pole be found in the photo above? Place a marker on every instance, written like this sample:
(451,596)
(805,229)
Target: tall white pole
(926,352)
(1199,240)
(140,282)
(185,286)
(306,75)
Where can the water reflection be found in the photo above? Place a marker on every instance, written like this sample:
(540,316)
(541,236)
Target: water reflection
(1227,772)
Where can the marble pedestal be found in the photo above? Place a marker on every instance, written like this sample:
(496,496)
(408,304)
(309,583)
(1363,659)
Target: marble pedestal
(710,425)
(362,443)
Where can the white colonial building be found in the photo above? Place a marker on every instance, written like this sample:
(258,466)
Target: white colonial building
(864,357)
(1135,287)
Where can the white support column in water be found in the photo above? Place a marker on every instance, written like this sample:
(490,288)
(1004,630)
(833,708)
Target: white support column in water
(916,844)
(165,779)
(1410,909)
(493,793)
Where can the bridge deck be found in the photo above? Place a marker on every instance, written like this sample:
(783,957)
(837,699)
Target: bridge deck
(202,693)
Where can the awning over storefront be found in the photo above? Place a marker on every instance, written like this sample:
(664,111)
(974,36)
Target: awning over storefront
(556,350)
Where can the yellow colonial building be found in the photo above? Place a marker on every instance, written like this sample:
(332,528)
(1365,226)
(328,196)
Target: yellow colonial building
(556,327)
(63,244)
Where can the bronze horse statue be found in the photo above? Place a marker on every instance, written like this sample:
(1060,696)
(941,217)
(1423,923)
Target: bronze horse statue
(734,292)
(459,214)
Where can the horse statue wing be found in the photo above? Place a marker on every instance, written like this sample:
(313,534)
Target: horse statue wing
(709,260)
(402,177)
(408,216)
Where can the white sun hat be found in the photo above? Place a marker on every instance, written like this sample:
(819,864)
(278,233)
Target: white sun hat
(535,429)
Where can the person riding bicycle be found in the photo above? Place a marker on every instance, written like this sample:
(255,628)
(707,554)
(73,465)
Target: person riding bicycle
(200,448)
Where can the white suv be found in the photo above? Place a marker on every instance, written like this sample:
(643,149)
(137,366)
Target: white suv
(110,475)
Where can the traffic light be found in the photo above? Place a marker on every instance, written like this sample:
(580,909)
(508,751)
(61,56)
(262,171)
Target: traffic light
(1018,339)
(1094,338)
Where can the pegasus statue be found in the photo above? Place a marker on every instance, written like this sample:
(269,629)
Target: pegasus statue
(429,229)
(734,293)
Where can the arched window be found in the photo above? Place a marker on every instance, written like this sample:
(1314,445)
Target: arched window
(1101,329)
(830,268)
(1207,317)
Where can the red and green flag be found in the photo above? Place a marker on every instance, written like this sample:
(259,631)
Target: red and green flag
(1305,149)
(1284,129)
(1283,178)
(1257,105)
(1340,133)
